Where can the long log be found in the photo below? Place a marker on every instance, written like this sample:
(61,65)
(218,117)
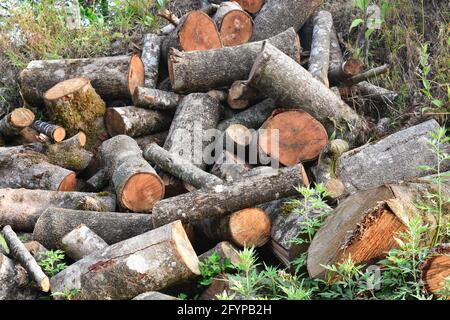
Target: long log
(150,57)
(114,78)
(149,262)
(21,208)
(136,183)
(223,66)
(279,76)
(150,98)
(55,132)
(14,122)
(14,281)
(435,271)
(234,24)
(81,242)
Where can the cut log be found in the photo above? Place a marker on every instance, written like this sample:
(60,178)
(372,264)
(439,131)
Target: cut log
(279,76)
(75,105)
(156,99)
(14,122)
(373,92)
(436,271)
(55,132)
(226,199)
(245,228)
(364,225)
(136,183)
(277,16)
(235,25)
(135,122)
(219,95)
(152,295)
(225,250)
(336,58)
(14,281)
(188,70)
(70,153)
(297,136)
(151,53)
(180,168)
(375,72)
(240,96)
(236,138)
(99,180)
(149,262)
(36,249)
(112,227)
(114,78)
(319,58)
(81,242)
(21,208)
(340,73)
(24,257)
(28,169)
(158,138)
(29,135)
(229,167)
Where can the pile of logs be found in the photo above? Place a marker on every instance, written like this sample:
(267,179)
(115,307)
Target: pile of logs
(147,161)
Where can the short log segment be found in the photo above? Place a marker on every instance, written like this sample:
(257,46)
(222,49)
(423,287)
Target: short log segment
(277,16)
(14,281)
(436,270)
(280,77)
(81,242)
(188,70)
(229,167)
(135,122)
(24,257)
(149,98)
(14,122)
(240,95)
(136,183)
(319,58)
(150,57)
(226,199)
(55,132)
(114,78)
(21,208)
(152,295)
(70,153)
(235,25)
(149,262)
(180,168)
(343,71)
(28,169)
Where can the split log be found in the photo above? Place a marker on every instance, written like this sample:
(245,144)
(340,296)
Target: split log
(21,208)
(114,78)
(319,58)
(81,242)
(151,53)
(156,99)
(180,168)
(235,25)
(136,183)
(240,95)
(135,122)
(219,285)
(229,167)
(153,295)
(224,250)
(279,76)
(158,138)
(55,223)
(245,228)
(28,169)
(24,257)
(225,199)
(149,262)
(188,70)
(297,136)
(14,122)
(436,270)
(276,16)
(14,281)
(365,224)
(75,105)
(55,132)
(36,249)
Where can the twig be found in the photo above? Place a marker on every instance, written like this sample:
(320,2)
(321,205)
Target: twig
(372,73)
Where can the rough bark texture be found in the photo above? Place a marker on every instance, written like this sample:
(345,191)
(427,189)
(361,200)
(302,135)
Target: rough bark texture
(152,295)
(225,199)
(277,16)
(235,25)
(205,70)
(21,208)
(81,242)
(158,138)
(150,56)
(13,123)
(150,98)
(113,78)
(376,93)
(135,122)
(229,167)
(28,169)
(55,132)
(112,227)
(99,180)
(14,281)
(319,58)
(69,154)
(136,183)
(149,262)
(36,249)
(336,58)
(24,257)
(288,83)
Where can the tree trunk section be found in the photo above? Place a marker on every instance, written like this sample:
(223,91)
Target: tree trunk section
(70,153)
(14,281)
(150,98)
(36,249)
(55,132)
(81,242)
(150,57)
(13,123)
(235,25)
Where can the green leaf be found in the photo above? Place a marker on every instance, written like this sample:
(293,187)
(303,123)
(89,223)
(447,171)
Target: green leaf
(356,23)
(368,33)
(362,4)
(438,103)
(4,244)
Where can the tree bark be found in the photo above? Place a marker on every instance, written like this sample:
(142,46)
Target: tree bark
(21,208)
(70,153)
(223,66)
(99,180)
(152,295)
(149,262)
(14,122)
(55,132)
(277,16)
(150,57)
(251,6)
(280,77)
(158,138)
(114,78)
(372,73)
(136,183)
(150,98)
(229,167)
(373,92)
(14,281)
(81,242)
(24,257)
(234,24)
(436,270)
(36,249)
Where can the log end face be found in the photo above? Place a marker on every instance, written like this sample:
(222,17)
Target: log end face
(236,28)
(136,74)
(45,284)
(142,191)
(184,248)
(435,271)
(199,32)
(69,183)
(22,117)
(59,134)
(114,122)
(65,88)
(250,227)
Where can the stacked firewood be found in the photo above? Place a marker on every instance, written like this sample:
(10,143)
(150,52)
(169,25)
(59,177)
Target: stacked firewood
(120,175)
